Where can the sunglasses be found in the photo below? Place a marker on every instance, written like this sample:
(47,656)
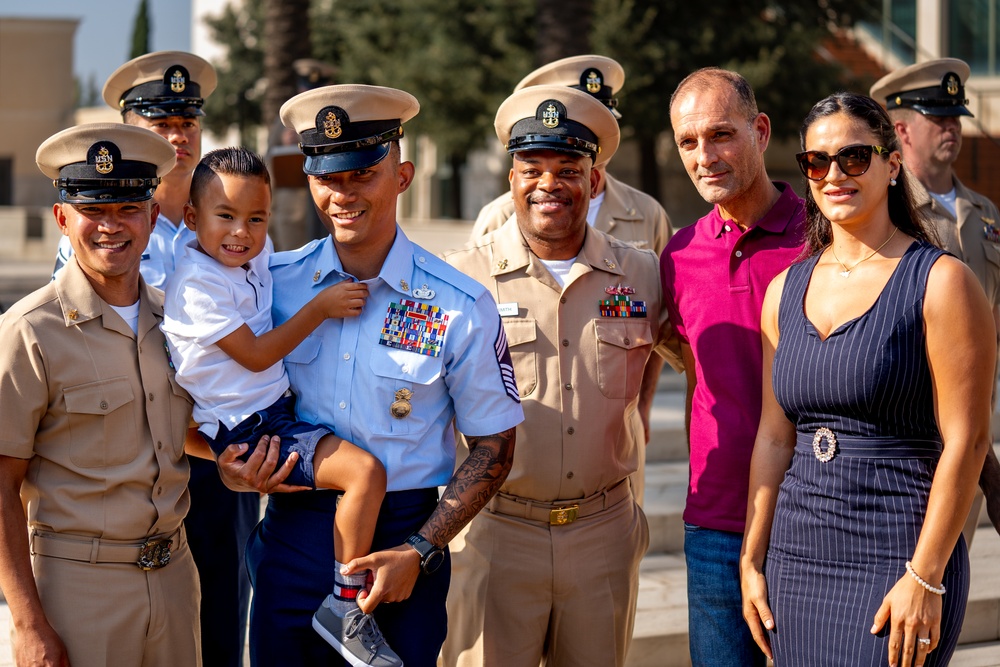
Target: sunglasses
(853,160)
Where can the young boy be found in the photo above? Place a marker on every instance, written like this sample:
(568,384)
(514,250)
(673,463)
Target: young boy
(217,320)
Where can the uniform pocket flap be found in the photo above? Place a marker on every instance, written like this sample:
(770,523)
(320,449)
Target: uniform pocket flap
(98,398)
(624,334)
(305,352)
(519,331)
(992,252)
(406,366)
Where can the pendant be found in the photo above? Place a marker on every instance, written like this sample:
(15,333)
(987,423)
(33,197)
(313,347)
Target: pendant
(845,274)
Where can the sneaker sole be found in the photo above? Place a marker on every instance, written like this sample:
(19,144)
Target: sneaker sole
(354,660)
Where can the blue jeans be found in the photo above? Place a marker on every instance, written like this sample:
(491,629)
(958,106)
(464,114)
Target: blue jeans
(717,634)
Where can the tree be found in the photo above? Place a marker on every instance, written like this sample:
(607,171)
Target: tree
(563,29)
(286,39)
(773,44)
(236,101)
(140,31)
(460,58)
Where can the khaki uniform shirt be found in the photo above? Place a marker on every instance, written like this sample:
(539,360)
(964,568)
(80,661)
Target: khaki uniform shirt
(966,237)
(100,417)
(578,372)
(628,214)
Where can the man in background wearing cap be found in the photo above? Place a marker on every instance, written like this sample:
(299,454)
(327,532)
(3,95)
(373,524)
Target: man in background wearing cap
(427,353)
(94,429)
(164,92)
(619,209)
(550,570)
(926,102)
(715,273)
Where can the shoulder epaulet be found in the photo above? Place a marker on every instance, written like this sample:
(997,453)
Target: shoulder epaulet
(292,256)
(439,268)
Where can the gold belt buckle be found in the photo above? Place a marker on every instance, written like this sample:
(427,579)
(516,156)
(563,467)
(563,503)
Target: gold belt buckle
(153,554)
(563,515)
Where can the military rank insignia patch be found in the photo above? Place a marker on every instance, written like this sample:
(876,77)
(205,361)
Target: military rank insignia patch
(417,327)
(622,305)
(990,230)
(505,364)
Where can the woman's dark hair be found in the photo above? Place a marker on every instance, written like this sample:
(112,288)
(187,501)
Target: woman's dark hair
(902,211)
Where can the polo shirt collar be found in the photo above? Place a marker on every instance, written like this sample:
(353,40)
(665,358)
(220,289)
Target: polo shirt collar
(784,211)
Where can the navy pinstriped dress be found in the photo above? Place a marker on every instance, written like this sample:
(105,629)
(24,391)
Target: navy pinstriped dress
(843,529)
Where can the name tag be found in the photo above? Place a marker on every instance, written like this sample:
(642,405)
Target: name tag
(507,309)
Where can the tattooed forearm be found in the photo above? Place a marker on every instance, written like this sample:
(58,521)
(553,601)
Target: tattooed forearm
(474,483)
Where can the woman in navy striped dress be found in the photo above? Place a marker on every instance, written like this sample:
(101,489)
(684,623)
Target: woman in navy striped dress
(876,418)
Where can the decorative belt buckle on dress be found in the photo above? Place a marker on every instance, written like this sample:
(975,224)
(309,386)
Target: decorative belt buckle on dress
(154,554)
(563,515)
(831,442)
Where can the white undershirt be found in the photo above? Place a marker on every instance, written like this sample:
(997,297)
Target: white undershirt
(130,314)
(559,268)
(594,209)
(947,200)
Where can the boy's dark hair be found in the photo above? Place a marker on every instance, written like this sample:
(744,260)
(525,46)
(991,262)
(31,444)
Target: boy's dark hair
(232,161)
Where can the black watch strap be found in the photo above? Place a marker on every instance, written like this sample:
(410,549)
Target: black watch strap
(431,557)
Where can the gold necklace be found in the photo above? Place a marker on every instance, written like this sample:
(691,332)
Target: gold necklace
(846,273)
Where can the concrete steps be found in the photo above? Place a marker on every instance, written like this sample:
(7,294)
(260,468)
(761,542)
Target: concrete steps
(660,638)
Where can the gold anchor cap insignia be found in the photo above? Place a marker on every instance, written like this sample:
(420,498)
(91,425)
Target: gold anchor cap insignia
(550,117)
(401,407)
(104,162)
(177,81)
(403,285)
(316,276)
(331,126)
(609,263)
(951,83)
(593,81)
(502,264)
(72,314)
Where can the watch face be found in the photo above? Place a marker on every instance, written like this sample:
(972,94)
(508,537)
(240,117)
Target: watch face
(432,561)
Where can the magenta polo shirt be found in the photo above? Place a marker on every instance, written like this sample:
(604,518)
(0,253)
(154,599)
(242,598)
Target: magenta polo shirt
(714,278)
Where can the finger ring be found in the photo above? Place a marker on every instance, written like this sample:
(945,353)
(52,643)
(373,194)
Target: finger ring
(926,641)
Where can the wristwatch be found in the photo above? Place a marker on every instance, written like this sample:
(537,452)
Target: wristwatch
(431,556)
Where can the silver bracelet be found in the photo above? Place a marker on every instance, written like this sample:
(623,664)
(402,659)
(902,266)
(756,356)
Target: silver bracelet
(920,580)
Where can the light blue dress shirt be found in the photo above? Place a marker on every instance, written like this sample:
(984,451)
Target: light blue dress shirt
(345,378)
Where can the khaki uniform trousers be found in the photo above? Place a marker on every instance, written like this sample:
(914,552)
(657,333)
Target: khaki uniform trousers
(115,614)
(563,593)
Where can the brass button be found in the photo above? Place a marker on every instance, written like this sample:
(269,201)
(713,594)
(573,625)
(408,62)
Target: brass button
(571,430)
(565,343)
(569,387)
(104,405)
(569,475)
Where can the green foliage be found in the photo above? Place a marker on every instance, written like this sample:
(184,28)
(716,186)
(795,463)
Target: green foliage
(236,101)
(774,44)
(460,58)
(141,29)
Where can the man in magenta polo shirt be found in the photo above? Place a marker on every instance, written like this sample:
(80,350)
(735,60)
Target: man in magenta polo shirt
(714,274)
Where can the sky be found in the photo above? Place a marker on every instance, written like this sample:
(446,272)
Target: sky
(104,35)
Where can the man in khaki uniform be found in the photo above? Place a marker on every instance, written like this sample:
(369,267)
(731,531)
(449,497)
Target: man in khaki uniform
(626,213)
(549,570)
(94,428)
(926,102)
(164,92)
